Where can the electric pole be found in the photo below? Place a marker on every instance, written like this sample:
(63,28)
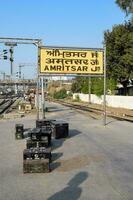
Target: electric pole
(11,59)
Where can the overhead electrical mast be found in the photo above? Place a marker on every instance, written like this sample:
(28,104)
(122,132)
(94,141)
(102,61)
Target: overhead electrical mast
(16,41)
(11,45)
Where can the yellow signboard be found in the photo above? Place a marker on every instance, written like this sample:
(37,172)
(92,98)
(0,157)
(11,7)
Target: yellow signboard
(71,61)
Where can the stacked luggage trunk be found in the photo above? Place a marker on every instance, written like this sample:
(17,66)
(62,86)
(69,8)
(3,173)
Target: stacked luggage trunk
(37,156)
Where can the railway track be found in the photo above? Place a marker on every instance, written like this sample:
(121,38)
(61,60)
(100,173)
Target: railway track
(5,104)
(97,111)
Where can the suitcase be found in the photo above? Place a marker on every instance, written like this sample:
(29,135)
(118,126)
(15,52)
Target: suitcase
(36,166)
(43,122)
(35,143)
(37,153)
(60,129)
(35,134)
(19,131)
(19,128)
(46,133)
(19,136)
(41,134)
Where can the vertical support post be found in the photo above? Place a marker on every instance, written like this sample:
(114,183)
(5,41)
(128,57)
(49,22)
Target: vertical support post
(23,83)
(43,101)
(16,89)
(104,100)
(44,106)
(60,82)
(89,88)
(15,86)
(11,60)
(37,98)
(4,75)
(37,89)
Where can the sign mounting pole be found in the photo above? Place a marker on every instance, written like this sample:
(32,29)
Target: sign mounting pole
(38,78)
(104,100)
(89,88)
(43,104)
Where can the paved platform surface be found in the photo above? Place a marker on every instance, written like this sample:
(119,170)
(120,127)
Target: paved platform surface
(94,163)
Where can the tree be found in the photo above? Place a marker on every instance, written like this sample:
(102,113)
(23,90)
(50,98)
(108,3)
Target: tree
(60,94)
(79,85)
(125,5)
(119,45)
(96,85)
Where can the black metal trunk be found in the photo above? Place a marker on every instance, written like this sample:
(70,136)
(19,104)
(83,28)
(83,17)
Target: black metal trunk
(35,143)
(60,129)
(37,153)
(36,166)
(44,122)
(19,130)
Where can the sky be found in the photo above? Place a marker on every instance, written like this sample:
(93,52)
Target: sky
(72,23)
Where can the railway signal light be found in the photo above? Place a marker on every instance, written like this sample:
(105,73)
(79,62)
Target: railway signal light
(11,50)
(11,59)
(5,57)
(11,54)
(3,54)
(5,51)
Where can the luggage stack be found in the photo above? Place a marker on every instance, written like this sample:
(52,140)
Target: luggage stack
(37,155)
(59,128)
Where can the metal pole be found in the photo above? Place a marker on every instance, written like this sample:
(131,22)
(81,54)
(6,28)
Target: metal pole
(89,88)
(104,100)
(11,68)
(60,82)
(44,107)
(4,75)
(37,89)
(16,89)
(37,98)
(38,43)
(43,102)
(11,60)
(23,83)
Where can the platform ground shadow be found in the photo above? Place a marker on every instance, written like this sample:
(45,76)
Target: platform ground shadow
(73,190)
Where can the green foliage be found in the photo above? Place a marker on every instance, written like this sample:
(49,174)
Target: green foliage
(60,94)
(97,85)
(119,45)
(111,85)
(125,5)
(77,98)
(80,85)
(77,85)
(70,94)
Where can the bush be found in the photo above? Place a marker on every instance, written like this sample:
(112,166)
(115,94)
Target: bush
(60,94)
(77,98)
(97,85)
(70,94)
